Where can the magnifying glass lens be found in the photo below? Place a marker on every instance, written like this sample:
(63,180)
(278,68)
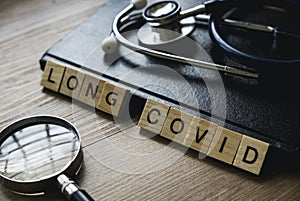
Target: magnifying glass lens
(37,151)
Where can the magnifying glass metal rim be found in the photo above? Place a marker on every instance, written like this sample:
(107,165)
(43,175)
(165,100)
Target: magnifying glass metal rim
(40,186)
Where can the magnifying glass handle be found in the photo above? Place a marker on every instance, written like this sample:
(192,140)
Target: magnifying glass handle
(80,195)
(71,191)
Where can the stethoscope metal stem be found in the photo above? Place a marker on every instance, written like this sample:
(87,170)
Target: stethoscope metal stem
(163,55)
(192,11)
(239,24)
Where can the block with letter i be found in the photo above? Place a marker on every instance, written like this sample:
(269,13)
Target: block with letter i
(153,116)
(112,99)
(251,154)
(224,145)
(52,76)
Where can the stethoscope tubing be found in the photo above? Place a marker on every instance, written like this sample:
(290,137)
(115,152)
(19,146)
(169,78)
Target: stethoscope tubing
(240,56)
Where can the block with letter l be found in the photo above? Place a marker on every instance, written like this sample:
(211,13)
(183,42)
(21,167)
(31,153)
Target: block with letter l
(52,76)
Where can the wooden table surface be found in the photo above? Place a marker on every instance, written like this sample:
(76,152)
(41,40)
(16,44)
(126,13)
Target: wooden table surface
(156,169)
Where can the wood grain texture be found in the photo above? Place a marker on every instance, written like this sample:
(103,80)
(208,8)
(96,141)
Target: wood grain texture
(27,29)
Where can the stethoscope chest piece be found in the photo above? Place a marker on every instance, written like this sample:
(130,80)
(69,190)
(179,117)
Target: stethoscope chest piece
(164,24)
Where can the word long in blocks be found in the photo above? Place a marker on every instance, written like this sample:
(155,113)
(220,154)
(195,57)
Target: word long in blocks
(84,87)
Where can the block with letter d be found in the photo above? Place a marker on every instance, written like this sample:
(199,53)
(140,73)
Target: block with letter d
(251,154)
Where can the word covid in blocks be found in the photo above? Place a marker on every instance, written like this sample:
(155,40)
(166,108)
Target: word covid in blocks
(84,87)
(204,136)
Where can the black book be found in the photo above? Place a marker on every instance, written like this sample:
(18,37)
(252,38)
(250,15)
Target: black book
(265,110)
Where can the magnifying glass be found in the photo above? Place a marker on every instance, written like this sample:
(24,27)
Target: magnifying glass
(40,152)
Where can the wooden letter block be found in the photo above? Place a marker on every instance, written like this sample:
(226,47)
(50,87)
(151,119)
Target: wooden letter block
(224,145)
(176,125)
(72,83)
(200,134)
(251,154)
(91,90)
(52,76)
(111,99)
(153,116)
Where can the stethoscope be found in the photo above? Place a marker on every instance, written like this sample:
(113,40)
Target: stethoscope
(160,17)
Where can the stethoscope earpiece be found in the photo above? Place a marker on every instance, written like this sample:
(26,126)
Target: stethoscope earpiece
(110,45)
(139,4)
